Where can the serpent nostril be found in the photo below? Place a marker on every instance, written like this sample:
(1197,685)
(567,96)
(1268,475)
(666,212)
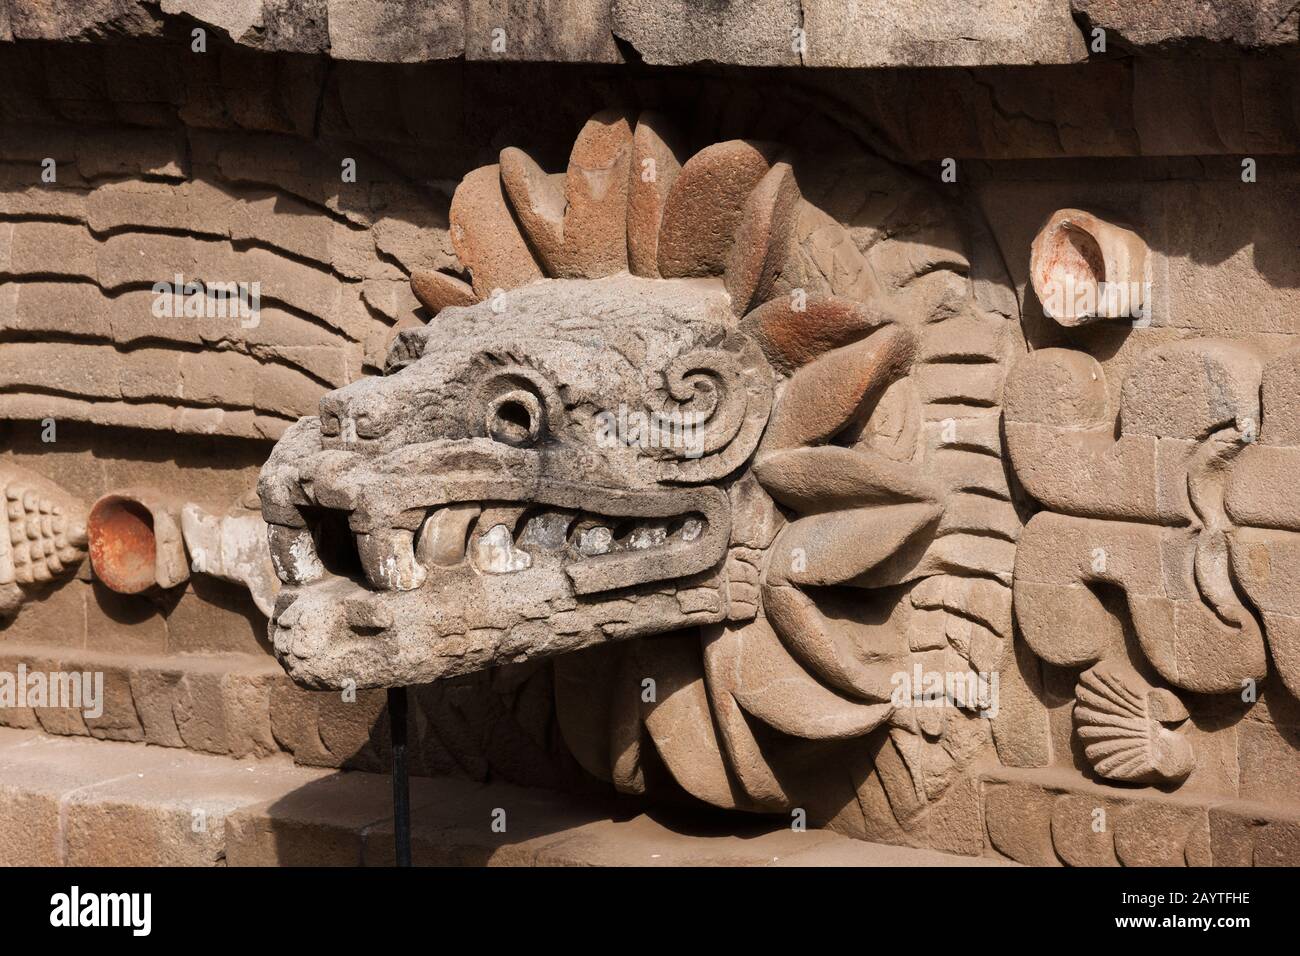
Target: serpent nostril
(352,420)
(367,425)
(331,412)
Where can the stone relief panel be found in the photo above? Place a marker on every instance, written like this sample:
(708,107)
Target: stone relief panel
(735,429)
(1154,571)
(192,285)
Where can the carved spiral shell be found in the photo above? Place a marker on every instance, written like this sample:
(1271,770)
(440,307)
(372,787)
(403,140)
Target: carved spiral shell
(1121,723)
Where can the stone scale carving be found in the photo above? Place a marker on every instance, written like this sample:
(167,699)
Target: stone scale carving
(43,538)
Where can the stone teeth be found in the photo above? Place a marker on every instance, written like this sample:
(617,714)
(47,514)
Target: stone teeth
(495,552)
(644,537)
(293,553)
(547,531)
(388,558)
(594,541)
(444,533)
(507,515)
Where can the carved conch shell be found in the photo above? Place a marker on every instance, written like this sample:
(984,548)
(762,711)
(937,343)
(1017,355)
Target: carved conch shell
(135,541)
(1121,719)
(1084,268)
(43,535)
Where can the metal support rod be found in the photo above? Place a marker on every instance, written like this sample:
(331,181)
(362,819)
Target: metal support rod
(401,784)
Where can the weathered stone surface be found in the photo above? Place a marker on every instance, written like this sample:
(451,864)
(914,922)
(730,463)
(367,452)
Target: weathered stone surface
(385,31)
(679,32)
(1019,821)
(1081,831)
(94,20)
(1020,730)
(1268,760)
(548,30)
(405,31)
(173,814)
(296,329)
(705,204)
(125,805)
(1246,834)
(42,536)
(486,239)
(1094,825)
(762,238)
(1148,833)
(437,290)
(232,546)
(1179,24)
(775,32)
(656,162)
(581,230)
(921,33)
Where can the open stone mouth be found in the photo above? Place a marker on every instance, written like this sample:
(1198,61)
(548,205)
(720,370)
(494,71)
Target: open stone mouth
(388,583)
(490,538)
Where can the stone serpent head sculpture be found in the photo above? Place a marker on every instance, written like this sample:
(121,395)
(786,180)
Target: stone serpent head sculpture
(735,465)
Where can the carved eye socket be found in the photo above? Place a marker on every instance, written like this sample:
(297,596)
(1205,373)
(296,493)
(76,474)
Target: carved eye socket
(515,418)
(329,424)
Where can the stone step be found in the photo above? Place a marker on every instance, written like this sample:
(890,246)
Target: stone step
(84,802)
(1050,817)
(244,705)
